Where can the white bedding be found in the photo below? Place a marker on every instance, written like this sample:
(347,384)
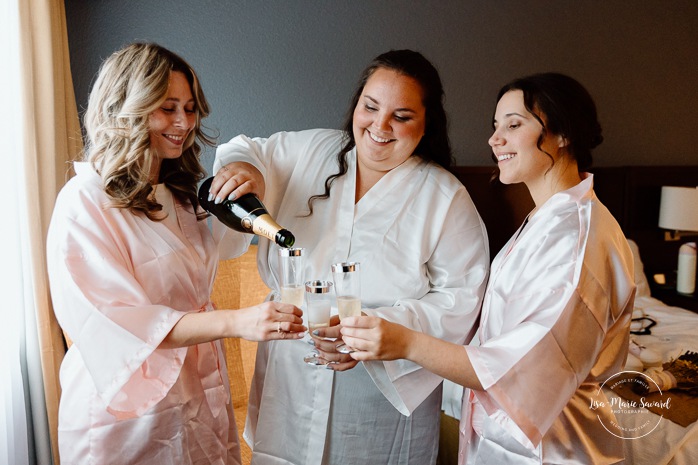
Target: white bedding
(676,332)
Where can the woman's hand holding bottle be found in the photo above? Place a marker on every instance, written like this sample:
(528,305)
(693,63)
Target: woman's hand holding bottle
(237,178)
(246,214)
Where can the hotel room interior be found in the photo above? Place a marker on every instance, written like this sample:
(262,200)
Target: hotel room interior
(274,65)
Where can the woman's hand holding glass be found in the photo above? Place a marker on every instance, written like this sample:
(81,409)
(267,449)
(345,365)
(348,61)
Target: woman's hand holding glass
(318,300)
(374,338)
(269,321)
(326,341)
(324,331)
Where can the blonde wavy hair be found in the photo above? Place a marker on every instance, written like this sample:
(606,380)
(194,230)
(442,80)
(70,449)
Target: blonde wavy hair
(132,83)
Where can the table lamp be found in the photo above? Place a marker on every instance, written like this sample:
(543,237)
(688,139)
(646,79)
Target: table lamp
(678,213)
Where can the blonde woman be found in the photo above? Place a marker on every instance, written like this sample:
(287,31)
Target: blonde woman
(131,267)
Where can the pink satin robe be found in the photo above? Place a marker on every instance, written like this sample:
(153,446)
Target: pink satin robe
(119,283)
(554,325)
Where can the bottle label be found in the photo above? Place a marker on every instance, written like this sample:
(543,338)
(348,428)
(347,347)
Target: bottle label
(248,220)
(265,226)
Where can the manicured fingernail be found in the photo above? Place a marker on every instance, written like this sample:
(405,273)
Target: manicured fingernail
(329,366)
(218,200)
(316,332)
(231,197)
(210,196)
(311,342)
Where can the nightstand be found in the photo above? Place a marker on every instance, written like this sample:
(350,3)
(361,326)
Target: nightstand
(669,296)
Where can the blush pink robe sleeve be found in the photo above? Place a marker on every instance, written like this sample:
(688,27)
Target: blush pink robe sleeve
(119,283)
(554,325)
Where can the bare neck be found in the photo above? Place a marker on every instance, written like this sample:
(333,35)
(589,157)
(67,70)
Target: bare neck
(562,176)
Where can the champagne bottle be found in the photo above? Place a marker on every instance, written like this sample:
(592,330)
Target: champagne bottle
(247,215)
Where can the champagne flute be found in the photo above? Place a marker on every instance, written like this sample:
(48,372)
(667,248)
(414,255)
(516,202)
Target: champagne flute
(318,298)
(347,285)
(291,270)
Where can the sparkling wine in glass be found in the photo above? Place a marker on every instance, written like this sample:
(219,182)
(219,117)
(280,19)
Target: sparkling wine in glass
(347,285)
(348,306)
(318,299)
(291,276)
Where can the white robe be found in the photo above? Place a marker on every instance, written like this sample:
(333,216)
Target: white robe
(424,262)
(554,325)
(119,283)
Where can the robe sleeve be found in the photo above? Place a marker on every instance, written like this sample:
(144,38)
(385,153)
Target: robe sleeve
(457,272)
(231,243)
(114,324)
(247,149)
(276,157)
(563,307)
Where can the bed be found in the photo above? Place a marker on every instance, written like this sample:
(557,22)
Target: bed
(675,440)
(632,195)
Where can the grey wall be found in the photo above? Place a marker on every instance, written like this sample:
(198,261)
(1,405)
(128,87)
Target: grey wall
(271,65)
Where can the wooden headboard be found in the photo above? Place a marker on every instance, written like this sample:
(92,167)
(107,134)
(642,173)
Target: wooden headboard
(631,193)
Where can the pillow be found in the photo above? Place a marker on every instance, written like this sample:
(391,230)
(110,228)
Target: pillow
(643,287)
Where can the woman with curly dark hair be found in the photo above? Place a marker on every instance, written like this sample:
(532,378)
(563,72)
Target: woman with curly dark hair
(375,192)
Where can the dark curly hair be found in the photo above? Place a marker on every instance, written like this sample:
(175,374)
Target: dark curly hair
(435,145)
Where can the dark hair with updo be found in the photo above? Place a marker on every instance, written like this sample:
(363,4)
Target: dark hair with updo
(568,109)
(435,145)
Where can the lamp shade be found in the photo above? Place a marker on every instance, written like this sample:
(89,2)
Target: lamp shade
(678,210)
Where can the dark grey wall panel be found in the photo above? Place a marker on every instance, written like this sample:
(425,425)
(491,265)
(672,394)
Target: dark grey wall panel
(284,65)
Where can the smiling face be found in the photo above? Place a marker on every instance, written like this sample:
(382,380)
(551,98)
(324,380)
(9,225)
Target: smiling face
(171,123)
(389,121)
(515,142)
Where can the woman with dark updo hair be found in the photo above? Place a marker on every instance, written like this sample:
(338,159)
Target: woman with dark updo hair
(376,192)
(556,313)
